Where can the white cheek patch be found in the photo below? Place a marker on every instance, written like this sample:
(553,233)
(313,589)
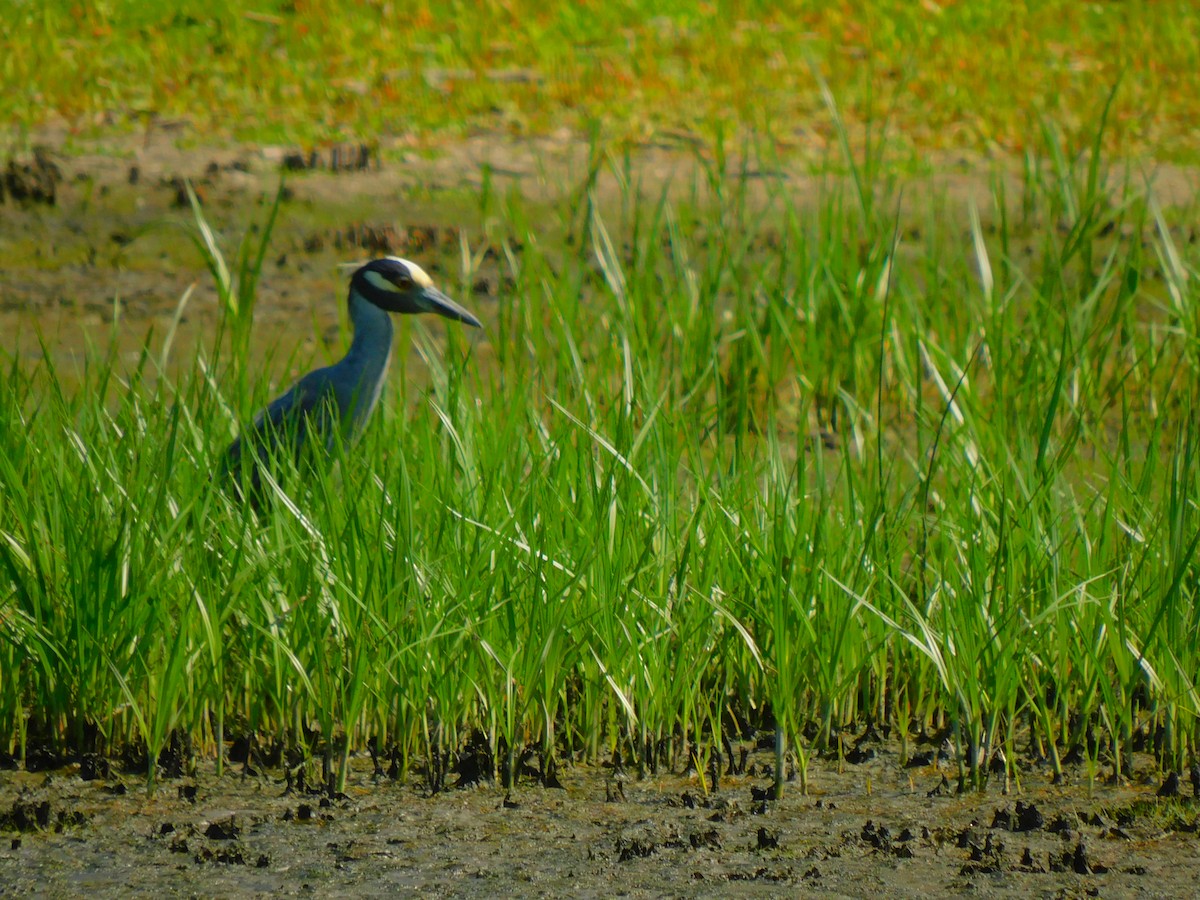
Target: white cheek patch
(420,279)
(378,281)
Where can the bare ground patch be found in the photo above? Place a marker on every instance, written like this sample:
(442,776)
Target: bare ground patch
(873,828)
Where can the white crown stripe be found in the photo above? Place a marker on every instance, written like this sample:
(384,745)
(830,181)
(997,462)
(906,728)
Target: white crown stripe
(420,279)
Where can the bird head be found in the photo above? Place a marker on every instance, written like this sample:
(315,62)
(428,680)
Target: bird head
(400,286)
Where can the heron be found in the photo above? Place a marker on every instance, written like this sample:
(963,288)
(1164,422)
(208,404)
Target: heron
(333,404)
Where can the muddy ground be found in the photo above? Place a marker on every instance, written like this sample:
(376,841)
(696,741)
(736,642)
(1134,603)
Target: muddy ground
(96,231)
(92,236)
(871,828)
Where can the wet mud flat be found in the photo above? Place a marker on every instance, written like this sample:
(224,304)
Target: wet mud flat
(872,828)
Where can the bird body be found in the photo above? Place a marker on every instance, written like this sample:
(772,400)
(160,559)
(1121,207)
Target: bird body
(334,403)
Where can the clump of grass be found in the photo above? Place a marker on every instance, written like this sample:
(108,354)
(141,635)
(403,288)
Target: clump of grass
(730,469)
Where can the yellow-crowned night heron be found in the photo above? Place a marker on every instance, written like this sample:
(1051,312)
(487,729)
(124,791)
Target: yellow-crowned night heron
(333,403)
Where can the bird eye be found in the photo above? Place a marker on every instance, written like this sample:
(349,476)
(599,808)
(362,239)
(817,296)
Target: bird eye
(404,283)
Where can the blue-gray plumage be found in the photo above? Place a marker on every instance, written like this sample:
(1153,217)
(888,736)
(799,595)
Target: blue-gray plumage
(333,403)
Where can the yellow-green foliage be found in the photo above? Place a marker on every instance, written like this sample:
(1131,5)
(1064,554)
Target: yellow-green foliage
(956,75)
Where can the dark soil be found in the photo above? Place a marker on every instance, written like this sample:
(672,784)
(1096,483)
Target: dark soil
(876,828)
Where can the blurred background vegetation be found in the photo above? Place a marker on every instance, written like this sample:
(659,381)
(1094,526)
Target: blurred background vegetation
(956,76)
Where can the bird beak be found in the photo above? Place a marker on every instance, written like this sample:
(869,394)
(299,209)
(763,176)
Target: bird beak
(437,302)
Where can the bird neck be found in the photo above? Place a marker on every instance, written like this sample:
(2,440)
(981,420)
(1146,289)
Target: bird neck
(366,361)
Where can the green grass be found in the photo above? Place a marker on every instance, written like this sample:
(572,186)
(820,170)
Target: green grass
(618,529)
(976,76)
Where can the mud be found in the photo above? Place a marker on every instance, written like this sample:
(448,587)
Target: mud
(875,828)
(96,232)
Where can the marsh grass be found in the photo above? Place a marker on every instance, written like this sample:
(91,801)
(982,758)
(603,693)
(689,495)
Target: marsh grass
(952,77)
(727,470)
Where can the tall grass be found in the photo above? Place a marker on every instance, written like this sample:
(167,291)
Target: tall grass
(727,469)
